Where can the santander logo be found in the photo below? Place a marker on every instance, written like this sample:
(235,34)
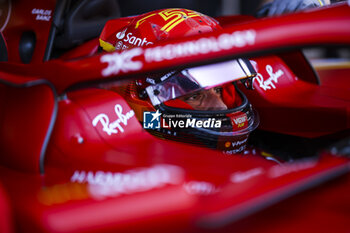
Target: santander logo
(131,39)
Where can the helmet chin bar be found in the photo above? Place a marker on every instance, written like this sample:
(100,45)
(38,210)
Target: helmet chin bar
(227,138)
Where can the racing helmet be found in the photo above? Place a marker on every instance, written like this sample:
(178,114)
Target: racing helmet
(227,117)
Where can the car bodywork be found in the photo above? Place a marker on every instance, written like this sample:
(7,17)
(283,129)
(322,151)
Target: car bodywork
(60,172)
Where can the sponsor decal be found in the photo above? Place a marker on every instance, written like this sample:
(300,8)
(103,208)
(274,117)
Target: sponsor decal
(121,62)
(201,46)
(239,142)
(275,171)
(271,80)
(121,35)
(41,14)
(124,62)
(155,120)
(235,146)
(240,121)
(130,39)
(239,177)
(106,184)
(278,170)
(120,46)
(234,151)
(117,125)
(200,188)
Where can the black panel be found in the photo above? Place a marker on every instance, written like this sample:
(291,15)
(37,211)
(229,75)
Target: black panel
(85,20)
(3,49)
(27,46)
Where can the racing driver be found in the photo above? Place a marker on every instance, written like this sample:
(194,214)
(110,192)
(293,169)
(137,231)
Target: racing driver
(199,105)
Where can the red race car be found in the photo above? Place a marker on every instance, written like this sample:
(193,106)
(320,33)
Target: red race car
(91,132)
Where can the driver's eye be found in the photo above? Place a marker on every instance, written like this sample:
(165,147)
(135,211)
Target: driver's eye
(218,90)
(193,97)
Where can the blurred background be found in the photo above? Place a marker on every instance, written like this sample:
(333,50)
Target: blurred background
(220,8)
(209,7)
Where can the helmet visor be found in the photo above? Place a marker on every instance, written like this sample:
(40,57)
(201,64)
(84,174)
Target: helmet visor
(177,84)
